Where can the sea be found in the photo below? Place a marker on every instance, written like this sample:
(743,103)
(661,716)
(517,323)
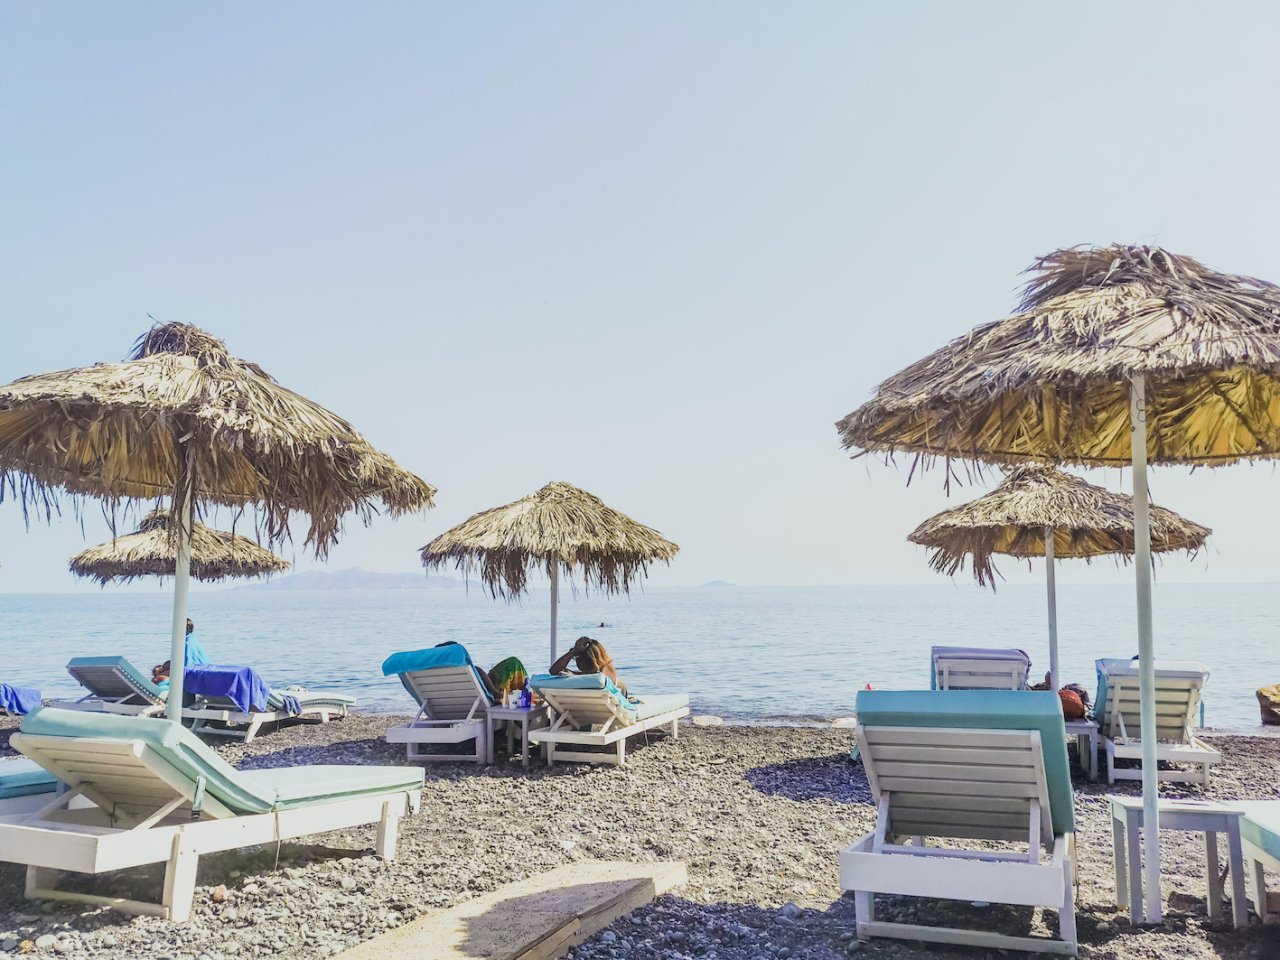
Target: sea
(793,655)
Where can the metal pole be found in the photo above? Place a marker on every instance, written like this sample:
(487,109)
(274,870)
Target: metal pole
(181,582)
(555,604)
(1146,650)
(1055,677)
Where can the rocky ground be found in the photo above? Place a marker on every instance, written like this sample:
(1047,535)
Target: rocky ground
(757,814)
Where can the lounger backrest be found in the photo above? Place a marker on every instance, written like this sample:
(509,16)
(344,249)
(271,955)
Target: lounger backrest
(113,678)
(135,765)
(589,700)
(967,764)
(1178,689)
(977,668)
(447,693)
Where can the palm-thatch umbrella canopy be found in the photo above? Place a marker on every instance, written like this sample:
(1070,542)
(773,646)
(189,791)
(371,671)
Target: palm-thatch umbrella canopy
(185,419)
(1043,512)
(1120,354)
(558,527)
(152,551)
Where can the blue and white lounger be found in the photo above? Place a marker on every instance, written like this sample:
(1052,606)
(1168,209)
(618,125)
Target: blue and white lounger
(963,766)
(115,686)
(144,791)
(453,702)
(590,711)
(1260,834)
(234,701)
(978,668)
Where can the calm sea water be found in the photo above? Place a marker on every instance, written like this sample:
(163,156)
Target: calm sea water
(750,654)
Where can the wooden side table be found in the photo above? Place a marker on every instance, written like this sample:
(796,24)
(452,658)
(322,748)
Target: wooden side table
(1086,734)
(526,719)
(1197,816)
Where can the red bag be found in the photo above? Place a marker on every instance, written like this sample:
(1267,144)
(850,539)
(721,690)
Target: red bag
(1072,705)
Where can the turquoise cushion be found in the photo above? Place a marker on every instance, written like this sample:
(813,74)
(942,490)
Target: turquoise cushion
(1039,710)
(190,758)
(78,666)
(300,786)
(583,681)
(1261,824)
(22,778)
(432,658)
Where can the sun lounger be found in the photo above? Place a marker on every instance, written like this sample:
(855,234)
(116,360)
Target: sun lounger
(588,711)
(146,791)
(978,668)
(24,786)
(453,703)
(239,701)
(1260,835)
(18,701)
(115,686)
(987,766)
(1178,687)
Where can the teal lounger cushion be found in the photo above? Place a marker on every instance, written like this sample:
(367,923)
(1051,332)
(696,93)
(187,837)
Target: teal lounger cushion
(1261,824)
(22,778)
(1039,710)
(308,698)
(431,658)
(259,791)
(98,676)
(641,709)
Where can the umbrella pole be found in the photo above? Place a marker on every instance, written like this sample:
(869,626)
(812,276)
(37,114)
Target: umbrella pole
(1055,681)
(181,582)
(555,605)
(1146,650)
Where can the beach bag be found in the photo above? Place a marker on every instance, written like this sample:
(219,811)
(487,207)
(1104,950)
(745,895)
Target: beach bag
(1072,705)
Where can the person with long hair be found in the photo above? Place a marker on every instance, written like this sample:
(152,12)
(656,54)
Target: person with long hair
(589,656)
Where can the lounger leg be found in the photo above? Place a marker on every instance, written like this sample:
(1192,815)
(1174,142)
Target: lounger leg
(622,751)
(1111,764)
(1133,842)
(180,880)
(675,729)
(864,904)
(1214,880)
(252,732)
(1067,912)
(1259,889)
(1118,854)
(1239,899)
(388,830)
(551,754)
(42,879)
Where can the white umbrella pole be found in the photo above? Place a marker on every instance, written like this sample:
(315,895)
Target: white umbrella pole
(178,648)
(1055,680)
(555,605)
(1146,651)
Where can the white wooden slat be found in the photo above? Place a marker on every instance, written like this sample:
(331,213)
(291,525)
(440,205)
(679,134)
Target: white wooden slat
(973,788)
(924,753)
(956,773)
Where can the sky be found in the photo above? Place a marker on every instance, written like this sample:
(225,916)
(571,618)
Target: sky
(655,249)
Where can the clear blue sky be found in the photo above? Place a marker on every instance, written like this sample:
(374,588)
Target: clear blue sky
(655,249)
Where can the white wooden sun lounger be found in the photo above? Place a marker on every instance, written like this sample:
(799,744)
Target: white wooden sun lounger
(979,668)
(147,791)
(994,773)
(1260,836)
(589,714)
(453,708)
(1178,688)
(318,706)
(115,686)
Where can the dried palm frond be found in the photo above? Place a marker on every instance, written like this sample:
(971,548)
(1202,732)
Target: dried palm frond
(152,552)
(182,418)
(1051,382)
(1087,521)
(559,524)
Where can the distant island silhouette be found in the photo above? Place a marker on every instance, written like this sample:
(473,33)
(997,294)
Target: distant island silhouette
(719,583)
(355,579)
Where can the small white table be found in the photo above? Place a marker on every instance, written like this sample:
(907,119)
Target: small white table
(1197,816)
(532,717)
(1086,734)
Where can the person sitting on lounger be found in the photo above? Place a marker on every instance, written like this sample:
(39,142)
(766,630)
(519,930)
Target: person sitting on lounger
(589,656)
(194,656)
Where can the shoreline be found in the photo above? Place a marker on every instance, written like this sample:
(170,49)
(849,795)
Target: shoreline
(757,814)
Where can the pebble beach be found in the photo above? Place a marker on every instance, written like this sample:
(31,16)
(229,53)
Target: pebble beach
(758,814)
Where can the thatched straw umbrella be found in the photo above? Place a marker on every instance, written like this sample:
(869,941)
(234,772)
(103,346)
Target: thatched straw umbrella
(558,527)
(183,418)
(152,551)
(1043,512)
(1120,354)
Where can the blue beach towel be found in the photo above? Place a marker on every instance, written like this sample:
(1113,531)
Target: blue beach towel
(19,700)
(432,658)
(241,685)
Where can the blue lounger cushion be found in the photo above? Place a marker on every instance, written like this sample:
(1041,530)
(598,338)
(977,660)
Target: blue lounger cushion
(249,792)
(1261,824)
(431,658)
(1039,710)
(22,778)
